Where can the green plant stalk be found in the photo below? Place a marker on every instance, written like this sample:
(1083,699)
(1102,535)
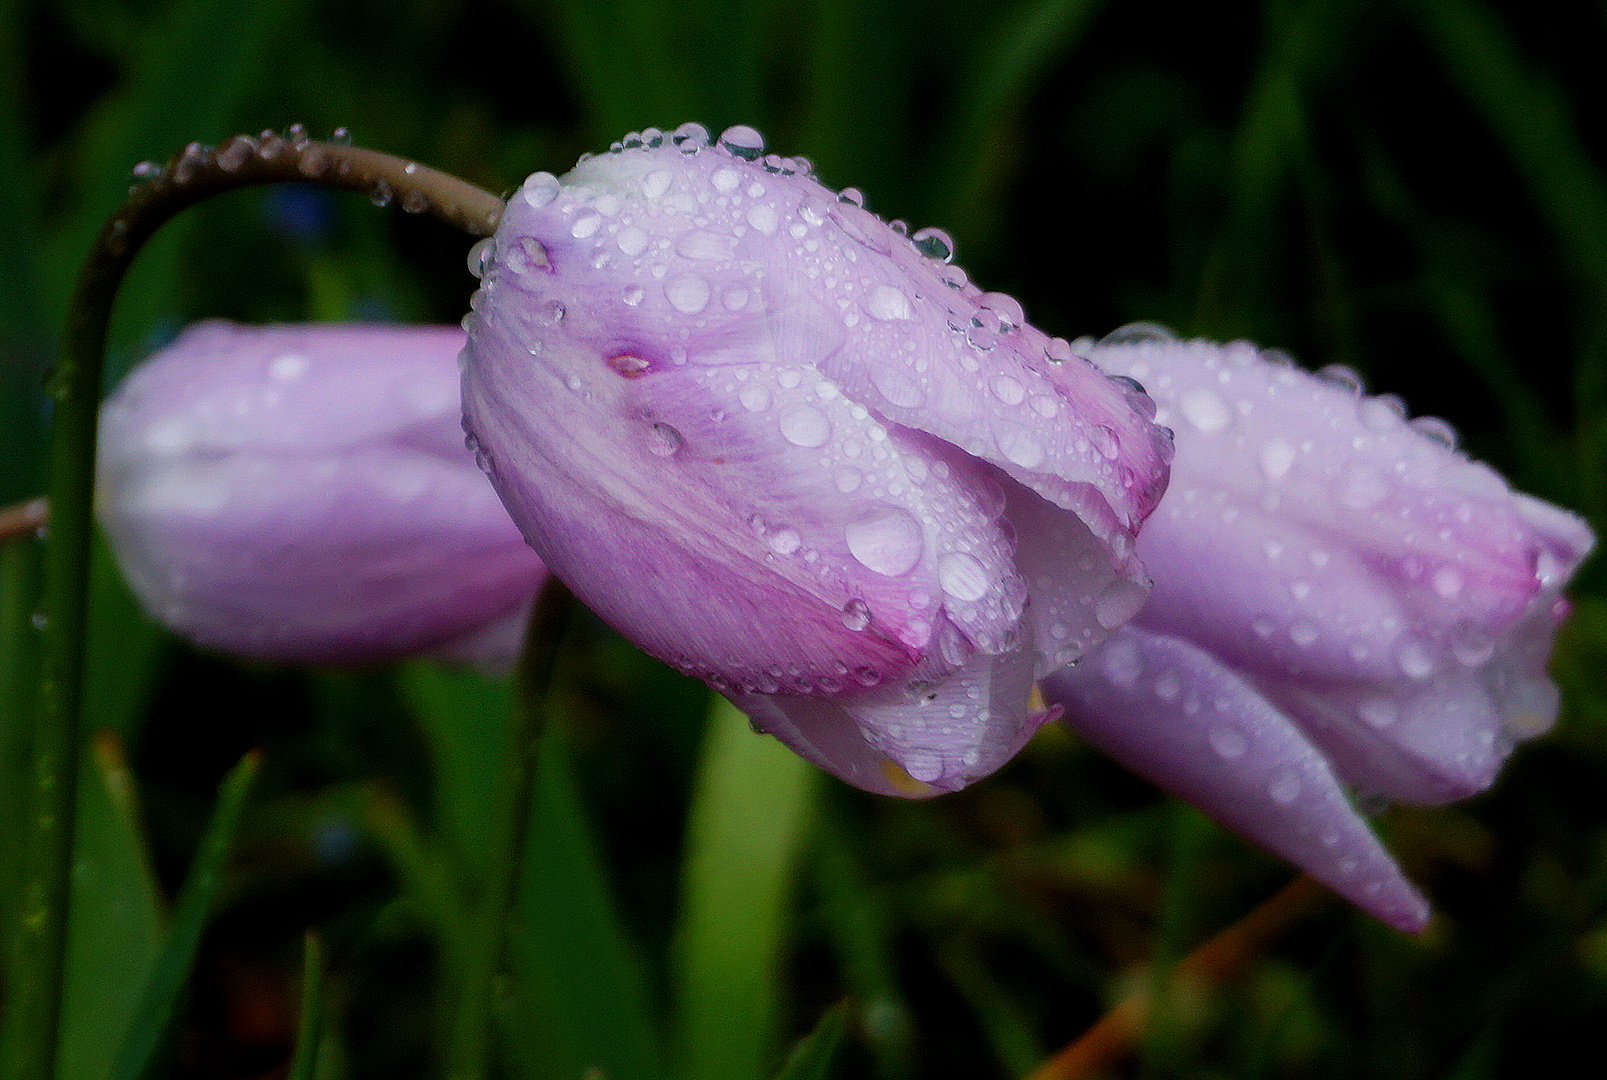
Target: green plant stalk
(469,1053)
(33,1008)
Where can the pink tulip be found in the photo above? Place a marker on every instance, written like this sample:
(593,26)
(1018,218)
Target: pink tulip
(1343,604)
(789,449)
(303,494)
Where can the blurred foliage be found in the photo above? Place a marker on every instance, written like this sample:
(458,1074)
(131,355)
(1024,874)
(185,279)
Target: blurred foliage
(1415,188)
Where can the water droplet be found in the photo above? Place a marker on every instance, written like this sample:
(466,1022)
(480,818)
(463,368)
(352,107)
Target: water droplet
(40,619)
(233,154)
(690,136)
(341,136)
(1119,602)
(381,194)
(888,541)
(1008,390)
(1019,445)
(764,218)
(480,256)
(888,304)
(755,397)
(1105,442)
(586,225)
(632,240)
(1277,457)
(805,426)
(551,313)
(934,244)
(1228,743)
(145,172)
(784,541)
(1436,430)
(1205,409)
(1382,413)
(962,577)
(849,479)
(1137,333)
(1284,787)
(687,294)
(1378,712)
(1121,663)
(1414,659)
(289,367)
(539,190)
(1303,634)
(415,202)
(856,616)
(742,142)
(1168,686)
(1448,582)
(1343,378)
(633,295)
(852,196)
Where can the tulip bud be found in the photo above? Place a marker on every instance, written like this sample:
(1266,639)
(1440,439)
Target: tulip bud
(790,450)
(303,494)
(1342,602)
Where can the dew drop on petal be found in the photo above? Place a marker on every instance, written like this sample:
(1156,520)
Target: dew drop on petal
(1284,787)
(1448,582)
(1121,663)
(1228,743)
(1205,409)
(763,218)
(856,616)
(664,441)
(1019,445)
(888,541)
(962,576)
(1378,711)
(888,304)
(632,240)
(1277,456)
(1472,644)
(1414,659)
(688,295)
(805,426)
(1008,390)
(656,183)
(784,541)
(755,397)
(934,244)
(742,141)
(849,479)
(1119,603)
(586,226)
(1168,686)
(539,190)
(551,313)
(633,295)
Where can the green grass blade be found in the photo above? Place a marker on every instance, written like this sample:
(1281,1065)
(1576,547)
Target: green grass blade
(115,930)
(812,1058)
(580,995)
(749,814)
(310,1029)
(165,988)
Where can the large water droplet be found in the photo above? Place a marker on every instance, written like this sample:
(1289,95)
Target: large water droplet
(703,245)
(1008,390)
(888,304)
(688,295)
(934,244)
(539,190)
(806,426)
(1019,445)
(962,576)
(1138,333)
(1205,409)
(551,313)
(664,441)
(764,218)
(888,541)
(1472,644)
(1342,377)
(1415,660)
(1448,582)
(784,541)
(743,142)
(632,240)
(586,226)
(856,616)
(656,183)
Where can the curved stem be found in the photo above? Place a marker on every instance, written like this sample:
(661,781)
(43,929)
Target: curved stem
(33,1007)
(1102,1046)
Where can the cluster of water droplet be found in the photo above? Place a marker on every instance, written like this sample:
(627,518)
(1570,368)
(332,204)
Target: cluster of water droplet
(630,266)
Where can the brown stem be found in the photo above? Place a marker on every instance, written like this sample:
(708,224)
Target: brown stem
(1101,1047)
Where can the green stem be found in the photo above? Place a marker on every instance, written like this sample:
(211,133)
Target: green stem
(33,1008)
(469,1055)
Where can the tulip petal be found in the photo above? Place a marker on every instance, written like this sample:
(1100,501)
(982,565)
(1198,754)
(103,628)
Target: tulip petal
(1179,717)
(303,495)
(916,739)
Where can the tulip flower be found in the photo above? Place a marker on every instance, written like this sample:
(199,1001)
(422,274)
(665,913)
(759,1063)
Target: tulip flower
(1343,604)
(303,494)
(790,450)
